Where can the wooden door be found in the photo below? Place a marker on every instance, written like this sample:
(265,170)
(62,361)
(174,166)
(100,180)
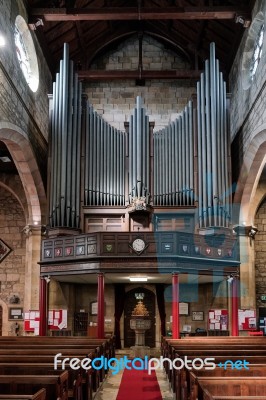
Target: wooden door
(130,303)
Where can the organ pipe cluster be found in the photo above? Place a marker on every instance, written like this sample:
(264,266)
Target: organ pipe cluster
(120,168)
(104,176)
(65,148)
(139,154)
(173,162)
(213,151)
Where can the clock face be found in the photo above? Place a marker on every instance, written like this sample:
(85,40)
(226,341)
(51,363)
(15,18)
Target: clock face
(138,245)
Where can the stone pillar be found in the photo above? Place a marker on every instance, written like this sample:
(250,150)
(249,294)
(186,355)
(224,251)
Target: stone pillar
(247,270)
(32,268)
(234,307)
(100,300)
(43,307)
(175,306)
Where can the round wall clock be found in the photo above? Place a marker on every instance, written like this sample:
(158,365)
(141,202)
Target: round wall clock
(138,245)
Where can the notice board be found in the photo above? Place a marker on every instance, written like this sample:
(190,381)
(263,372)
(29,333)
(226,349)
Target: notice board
(247,319)
(218,319)
(57,319)
(32,321)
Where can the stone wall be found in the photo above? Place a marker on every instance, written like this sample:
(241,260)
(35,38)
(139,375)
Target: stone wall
(260,253)
(20,106)
(248,100)
(12,268)
(164,99)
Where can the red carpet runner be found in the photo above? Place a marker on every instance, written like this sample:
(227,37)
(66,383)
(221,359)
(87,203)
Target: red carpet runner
(138,385)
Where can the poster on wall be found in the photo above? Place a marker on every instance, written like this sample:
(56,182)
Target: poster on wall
(247,319)
(218,320)
(57,320)
(32,321)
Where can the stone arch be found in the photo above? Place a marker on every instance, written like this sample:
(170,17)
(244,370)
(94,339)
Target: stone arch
(247,199)
(20,148)
(253,163)
(15,187)
(4,318)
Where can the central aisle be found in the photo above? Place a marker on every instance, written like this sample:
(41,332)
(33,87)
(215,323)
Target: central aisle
(127,385)
(137,384)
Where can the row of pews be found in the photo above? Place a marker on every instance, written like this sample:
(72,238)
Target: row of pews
(244,380)
(27,369)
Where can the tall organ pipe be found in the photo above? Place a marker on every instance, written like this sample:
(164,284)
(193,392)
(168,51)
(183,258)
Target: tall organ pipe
(213,132)
(139,154)
(200,162)
(63,147)
(212,146)
(191,152)
(173,162)
(69,145)
(103,153)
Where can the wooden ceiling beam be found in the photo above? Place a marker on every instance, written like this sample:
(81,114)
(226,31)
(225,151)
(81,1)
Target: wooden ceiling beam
(132,13)
(138,74)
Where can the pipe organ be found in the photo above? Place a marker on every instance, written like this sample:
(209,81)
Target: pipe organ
(104,172)
(213,149)
(174,162)
(94,164)
(139,155)
(65,147)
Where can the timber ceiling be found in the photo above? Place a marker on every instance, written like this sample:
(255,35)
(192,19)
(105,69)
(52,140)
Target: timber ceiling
(94,27)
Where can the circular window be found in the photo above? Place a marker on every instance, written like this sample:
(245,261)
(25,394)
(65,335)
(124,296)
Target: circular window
(253,50)
(26,53)
(257,53)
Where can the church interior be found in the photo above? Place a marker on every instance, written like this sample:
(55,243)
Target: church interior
(133,195)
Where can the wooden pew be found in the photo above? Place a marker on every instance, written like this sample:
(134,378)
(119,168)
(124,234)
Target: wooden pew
(220,348)
(38,350)
(208,396)
(78,380)
(40,395)
(56,385)
(230,386)
(254,370)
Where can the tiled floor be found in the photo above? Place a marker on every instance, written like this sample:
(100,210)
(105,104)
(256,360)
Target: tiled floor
(110,387)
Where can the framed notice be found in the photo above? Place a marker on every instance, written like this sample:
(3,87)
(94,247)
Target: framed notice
(15,313)
(183,309)
(94,308)
(197,315)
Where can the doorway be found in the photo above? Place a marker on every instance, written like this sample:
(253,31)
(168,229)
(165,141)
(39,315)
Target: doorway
(130,304)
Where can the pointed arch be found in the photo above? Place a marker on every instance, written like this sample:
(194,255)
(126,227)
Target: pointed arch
(253,162)
(21,151)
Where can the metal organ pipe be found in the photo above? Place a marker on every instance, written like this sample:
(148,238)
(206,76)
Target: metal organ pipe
(200,163)
(212,146)
(139,154)
(104,156)
(172,150)
(173,162)
(65,149)
(191,151)
(69,145)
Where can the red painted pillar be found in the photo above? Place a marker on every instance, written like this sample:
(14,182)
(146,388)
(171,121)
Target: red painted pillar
(175,306)
(100,300)
(234,308)
(43,307)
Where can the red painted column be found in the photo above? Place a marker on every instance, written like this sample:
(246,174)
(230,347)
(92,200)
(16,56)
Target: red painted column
(100,300)
(234,308)
(43,307)
(175,306)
